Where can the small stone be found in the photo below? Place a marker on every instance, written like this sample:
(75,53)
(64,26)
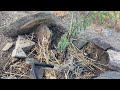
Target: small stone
(7,46)
(114,58)
(15,60)
(31,60)
(24,43)
(101,43)
(109,75)
(80,43)
(18,53)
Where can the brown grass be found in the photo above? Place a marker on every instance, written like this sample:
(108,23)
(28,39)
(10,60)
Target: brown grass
(62,69)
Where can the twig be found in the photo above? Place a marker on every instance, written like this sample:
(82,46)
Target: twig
(17,74)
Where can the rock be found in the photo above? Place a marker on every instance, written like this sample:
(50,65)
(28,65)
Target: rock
(109,75)
(101,43)
(24,44)
(93,51)
(18,53)
(80,43)
(14,60)
(31,60)
(114,58)
(7,17)
(7,46)
(28,23)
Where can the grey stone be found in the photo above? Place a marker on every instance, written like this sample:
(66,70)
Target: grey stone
(28,23)
(24,43)
(18,53)
(31,60)
(7,17)
(114,58)
(80,43)
(101,43)
(7,46)
(109,75)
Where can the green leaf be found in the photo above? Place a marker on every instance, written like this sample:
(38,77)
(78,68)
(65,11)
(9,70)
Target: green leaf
(64,42)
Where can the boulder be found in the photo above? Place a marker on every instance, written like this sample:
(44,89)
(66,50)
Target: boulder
(109,75)
(114,58)
(29,23)
(80,43)
(99,42)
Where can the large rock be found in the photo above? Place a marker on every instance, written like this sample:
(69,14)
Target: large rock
(29,23)
(7,17)
(80,43)
(99,42)
(114,58)
(109,75)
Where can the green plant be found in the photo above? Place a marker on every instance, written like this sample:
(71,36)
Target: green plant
(63,43)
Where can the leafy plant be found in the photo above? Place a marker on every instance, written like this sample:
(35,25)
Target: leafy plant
(63,43)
